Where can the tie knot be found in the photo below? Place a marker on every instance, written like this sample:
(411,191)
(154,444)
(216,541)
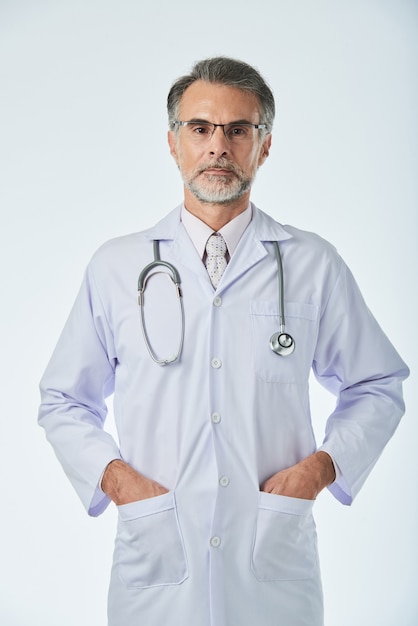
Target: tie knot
(215,245)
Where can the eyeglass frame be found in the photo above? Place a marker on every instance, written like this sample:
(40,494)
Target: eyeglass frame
(204,122)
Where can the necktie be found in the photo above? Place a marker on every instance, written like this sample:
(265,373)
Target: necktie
(215,260)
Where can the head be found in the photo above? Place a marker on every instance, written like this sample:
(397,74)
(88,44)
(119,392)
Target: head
(215,168)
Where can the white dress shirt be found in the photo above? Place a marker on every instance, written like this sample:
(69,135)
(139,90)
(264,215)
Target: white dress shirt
(199,232)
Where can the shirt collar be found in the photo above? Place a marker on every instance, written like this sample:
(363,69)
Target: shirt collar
(199,232)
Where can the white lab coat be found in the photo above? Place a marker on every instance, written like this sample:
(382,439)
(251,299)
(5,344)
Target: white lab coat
(214,551)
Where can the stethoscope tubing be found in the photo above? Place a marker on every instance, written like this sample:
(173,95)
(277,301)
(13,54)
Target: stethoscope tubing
(174,276)
(157,262)
(281,285)
(281,343)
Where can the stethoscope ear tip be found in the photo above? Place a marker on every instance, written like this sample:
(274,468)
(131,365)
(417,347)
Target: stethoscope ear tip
(282,344)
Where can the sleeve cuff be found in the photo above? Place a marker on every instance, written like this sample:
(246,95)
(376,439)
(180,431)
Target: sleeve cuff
(338,474)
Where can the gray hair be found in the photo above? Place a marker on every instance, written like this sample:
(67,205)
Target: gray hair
(224,71)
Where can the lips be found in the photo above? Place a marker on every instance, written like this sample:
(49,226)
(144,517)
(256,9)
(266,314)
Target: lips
(218,170)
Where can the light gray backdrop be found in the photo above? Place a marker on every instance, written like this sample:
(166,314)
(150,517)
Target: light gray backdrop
(84,158)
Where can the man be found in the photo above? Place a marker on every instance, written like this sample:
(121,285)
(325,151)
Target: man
(216,469)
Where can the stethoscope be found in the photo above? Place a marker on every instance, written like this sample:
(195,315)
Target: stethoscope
(281,342)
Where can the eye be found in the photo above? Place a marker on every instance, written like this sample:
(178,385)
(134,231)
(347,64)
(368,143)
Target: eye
(200,129)
(238,131)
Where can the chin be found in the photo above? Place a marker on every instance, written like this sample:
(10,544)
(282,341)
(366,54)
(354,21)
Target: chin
(219,195)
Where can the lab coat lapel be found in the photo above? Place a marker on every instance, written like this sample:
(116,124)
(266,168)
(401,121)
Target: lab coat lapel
(248,253)
(251,249)
(187,255)
(171,231)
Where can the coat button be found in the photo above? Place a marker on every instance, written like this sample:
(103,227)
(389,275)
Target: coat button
(217,301)
(216,418)
(216,363)
(215,542)
(224,481)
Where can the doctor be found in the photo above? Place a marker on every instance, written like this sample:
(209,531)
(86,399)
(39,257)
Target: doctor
(216,469)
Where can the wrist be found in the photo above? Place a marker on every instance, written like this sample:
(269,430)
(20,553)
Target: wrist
(326,468)
(112,478)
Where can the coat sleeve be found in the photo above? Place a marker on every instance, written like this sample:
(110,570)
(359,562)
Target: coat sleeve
(79,377)
(355,361)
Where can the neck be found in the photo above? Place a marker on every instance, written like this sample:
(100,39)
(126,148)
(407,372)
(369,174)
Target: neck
(215,215)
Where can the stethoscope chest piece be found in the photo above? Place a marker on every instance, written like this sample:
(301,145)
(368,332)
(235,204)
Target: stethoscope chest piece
(282,343)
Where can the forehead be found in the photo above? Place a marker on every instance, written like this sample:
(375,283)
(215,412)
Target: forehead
(218,103)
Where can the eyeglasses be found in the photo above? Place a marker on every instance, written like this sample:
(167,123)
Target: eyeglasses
(236,132)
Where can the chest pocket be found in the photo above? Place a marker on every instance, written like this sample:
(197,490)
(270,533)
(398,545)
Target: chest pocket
(301,323)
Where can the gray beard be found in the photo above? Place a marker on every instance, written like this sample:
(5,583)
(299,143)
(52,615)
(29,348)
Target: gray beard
(222,193)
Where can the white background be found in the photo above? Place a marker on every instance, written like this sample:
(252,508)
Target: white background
(84,158)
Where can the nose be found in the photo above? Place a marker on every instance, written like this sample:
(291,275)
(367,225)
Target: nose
(218,143)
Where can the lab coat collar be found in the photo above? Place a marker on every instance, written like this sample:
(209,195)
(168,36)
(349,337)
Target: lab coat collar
(250,250)
(264,227)
(167,228)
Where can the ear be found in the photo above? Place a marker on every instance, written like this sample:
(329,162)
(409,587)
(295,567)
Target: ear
(265,149)
(172,142)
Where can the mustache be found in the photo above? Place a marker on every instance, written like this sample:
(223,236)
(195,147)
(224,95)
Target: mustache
(222,164)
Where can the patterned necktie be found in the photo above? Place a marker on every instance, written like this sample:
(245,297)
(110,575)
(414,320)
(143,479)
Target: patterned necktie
(215,260)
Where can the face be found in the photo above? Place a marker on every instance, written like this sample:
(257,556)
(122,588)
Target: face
(218,171)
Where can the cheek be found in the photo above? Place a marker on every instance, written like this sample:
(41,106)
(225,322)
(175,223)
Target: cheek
(190,159)
(260,157)
(252,162)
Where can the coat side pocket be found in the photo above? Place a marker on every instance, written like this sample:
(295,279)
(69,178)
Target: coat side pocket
(149,544)
(285,544)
